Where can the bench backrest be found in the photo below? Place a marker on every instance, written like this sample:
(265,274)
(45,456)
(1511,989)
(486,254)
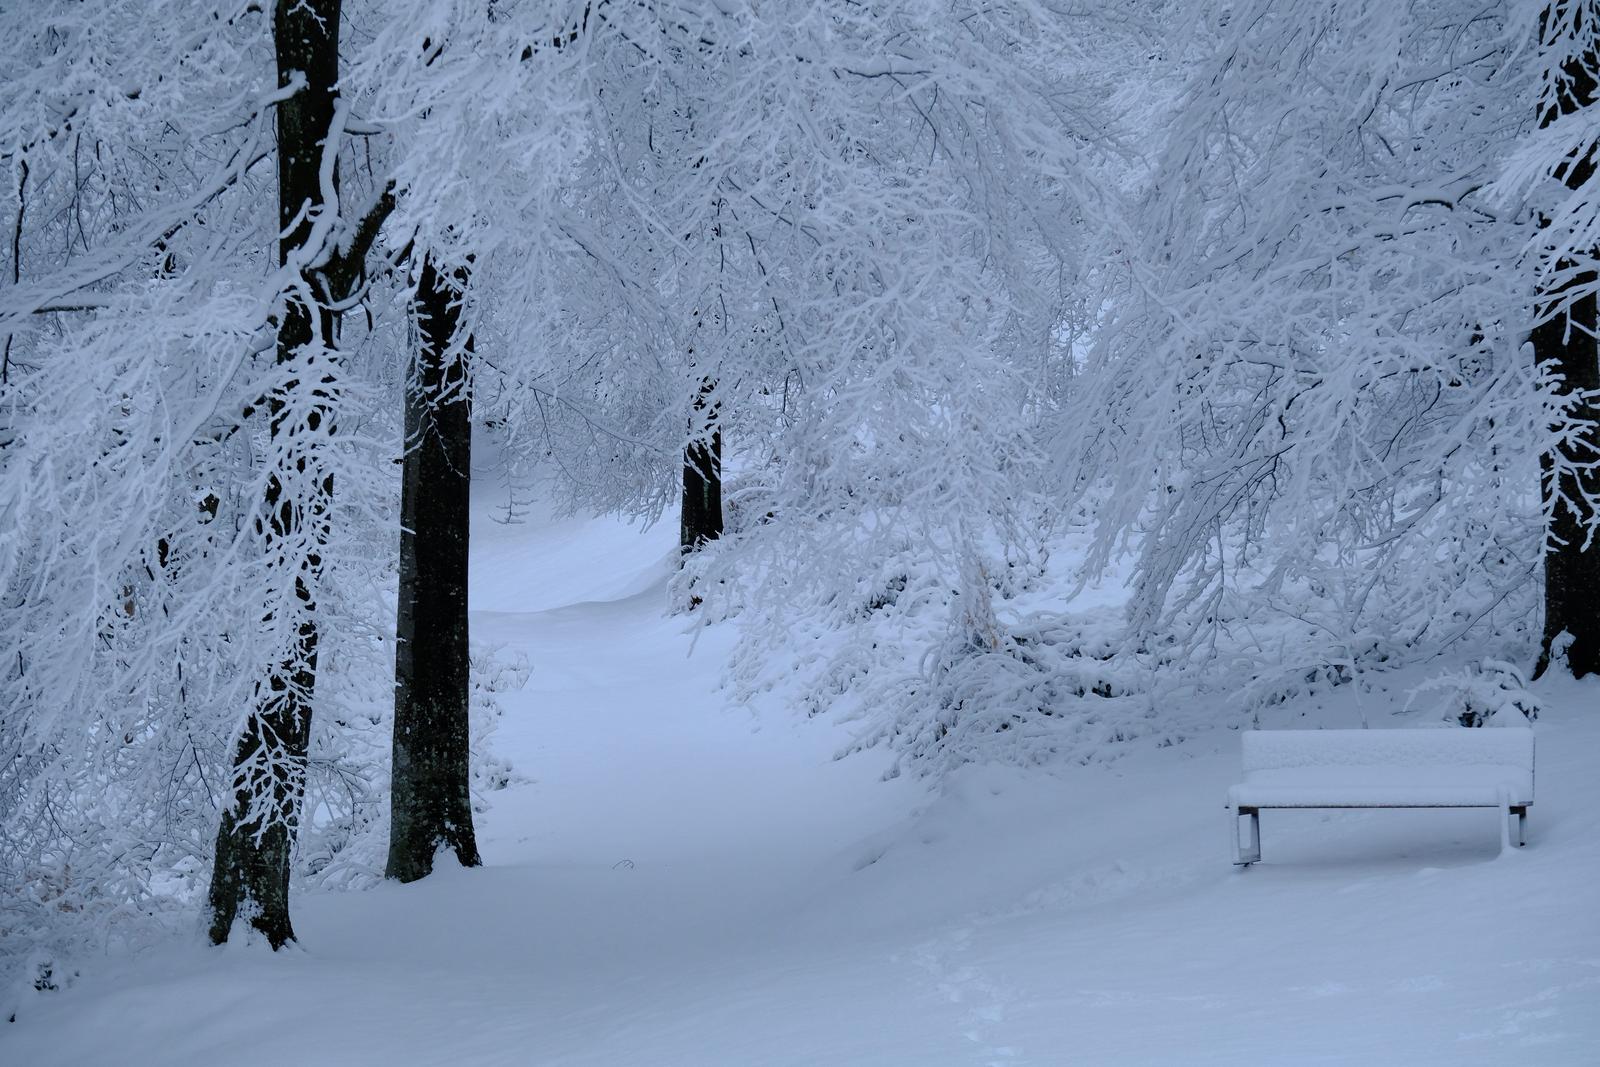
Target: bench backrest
(1506,747)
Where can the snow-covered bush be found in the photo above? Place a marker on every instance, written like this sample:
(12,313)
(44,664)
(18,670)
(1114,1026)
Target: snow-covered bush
(1487,693)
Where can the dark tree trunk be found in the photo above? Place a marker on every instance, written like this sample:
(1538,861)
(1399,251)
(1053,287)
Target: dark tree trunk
(250,878)
(1565,344)
(702,474)
(430,800)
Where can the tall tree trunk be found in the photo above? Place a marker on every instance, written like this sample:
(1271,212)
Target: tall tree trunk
(701,518)
(1565,343)
(430,799)
(250,878)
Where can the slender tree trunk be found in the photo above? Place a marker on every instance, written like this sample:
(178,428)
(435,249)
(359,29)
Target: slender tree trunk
(1565,343)
(430,800)
(701,519)
(250,879)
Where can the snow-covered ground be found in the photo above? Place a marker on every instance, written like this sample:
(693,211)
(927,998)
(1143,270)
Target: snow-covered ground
(677,881)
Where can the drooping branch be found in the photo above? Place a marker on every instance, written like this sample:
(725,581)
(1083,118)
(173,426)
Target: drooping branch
(61,290)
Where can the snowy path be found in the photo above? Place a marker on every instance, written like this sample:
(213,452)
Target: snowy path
(685,883)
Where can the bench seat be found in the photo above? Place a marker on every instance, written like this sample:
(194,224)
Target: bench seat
(1464,786)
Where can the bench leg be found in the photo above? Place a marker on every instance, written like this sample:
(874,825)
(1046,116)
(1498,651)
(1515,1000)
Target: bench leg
(1242,856)
(1522,824)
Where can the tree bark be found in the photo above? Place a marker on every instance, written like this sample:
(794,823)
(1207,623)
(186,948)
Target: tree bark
(1565,344)
(430,799)
(701,517)
(250,877)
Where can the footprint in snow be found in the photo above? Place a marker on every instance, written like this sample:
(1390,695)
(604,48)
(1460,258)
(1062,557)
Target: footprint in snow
(985,1000)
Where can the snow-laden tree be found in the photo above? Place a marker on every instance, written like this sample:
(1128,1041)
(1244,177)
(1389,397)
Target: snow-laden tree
(120,496)
(148,458)
(1309,410)
(430,799)
(887,227)
(1552,170)
(322,245)
(840,243)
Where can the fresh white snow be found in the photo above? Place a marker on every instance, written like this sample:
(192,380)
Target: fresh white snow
(676,881)
(1385,768)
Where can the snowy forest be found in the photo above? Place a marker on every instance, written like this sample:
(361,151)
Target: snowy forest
(807,495)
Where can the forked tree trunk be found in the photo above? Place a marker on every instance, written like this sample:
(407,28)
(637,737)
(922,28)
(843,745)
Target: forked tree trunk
(1565,343)
(431,800)
(250,877)
(701,517)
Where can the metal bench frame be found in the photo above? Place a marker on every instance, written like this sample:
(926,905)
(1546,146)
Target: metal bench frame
(1244,856)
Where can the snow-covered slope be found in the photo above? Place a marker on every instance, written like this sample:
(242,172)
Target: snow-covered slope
(681,882)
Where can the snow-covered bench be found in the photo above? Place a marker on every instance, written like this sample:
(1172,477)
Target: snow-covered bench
(1442,768)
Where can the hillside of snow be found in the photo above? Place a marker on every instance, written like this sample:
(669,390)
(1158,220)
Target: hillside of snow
(673,880)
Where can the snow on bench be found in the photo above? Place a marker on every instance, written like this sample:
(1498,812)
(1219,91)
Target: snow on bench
(1443,768)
